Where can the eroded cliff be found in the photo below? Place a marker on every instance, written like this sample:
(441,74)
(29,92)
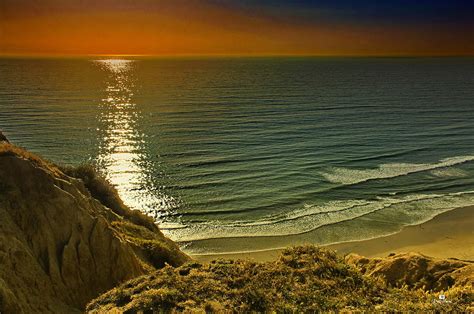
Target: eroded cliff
(59,245)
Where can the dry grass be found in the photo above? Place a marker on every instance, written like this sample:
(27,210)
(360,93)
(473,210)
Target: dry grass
(98,186)
(303,279)
(107,194)
(7,149)
(137,228)
(154,246)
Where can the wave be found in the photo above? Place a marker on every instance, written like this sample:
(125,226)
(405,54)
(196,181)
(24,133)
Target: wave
(386,171)
(449,173)
(389,155)
(411,209)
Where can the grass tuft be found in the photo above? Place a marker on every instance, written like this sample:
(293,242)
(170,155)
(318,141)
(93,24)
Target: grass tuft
(102,190)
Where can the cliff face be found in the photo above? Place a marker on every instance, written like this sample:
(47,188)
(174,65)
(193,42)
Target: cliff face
(59,246)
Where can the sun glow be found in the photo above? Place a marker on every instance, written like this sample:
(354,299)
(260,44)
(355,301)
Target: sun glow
(176,28)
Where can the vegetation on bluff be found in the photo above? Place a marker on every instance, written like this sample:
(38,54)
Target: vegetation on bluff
(102,190)
(66,237)
(305,279)
(137,228)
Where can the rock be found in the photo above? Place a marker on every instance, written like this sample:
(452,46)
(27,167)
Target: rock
(59,246)
(416,270)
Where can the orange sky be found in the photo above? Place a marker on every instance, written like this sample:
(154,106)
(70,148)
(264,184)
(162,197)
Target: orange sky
(205,29)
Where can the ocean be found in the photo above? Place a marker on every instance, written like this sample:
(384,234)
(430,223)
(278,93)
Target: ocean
(244,154)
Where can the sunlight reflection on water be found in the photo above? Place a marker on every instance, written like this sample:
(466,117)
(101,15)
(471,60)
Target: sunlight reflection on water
(122,146)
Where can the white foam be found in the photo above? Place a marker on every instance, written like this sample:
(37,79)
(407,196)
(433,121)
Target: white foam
(171,225)
(413,208)
(386,171)
(449,173)
(406,210)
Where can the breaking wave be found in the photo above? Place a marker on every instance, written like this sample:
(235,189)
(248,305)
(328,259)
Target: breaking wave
(386,171)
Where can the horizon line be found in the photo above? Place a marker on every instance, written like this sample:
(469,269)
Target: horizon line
(230,55)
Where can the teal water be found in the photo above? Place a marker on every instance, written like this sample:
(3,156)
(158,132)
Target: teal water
(241,154)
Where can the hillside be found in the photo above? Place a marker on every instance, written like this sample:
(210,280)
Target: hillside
(65,239)
(303,279)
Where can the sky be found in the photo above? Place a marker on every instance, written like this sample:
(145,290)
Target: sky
(232,27)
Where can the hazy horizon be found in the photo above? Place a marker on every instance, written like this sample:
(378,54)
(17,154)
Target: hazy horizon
(210,55)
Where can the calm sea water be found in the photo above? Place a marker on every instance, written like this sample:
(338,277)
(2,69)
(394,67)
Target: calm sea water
(244,154)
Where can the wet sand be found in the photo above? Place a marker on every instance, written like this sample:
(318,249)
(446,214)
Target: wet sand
(448,235)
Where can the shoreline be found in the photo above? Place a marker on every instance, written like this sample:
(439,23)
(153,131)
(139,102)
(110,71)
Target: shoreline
(447,235)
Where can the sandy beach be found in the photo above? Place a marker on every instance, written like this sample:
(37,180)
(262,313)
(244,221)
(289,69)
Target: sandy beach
(448,235)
